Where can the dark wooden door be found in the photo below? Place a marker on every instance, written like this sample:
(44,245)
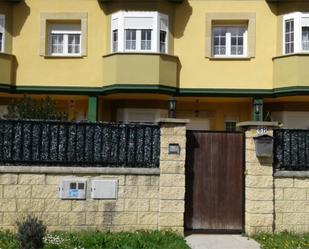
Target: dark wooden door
(214,181)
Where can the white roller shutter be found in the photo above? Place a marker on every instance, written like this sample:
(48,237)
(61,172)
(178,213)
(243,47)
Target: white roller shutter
(138,22)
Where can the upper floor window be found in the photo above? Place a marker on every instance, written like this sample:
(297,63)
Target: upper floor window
(2,30)
(296,33)
(64,39)
(229,41)
(134,31)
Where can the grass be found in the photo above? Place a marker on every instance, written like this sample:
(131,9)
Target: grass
(283,240)
(99,240)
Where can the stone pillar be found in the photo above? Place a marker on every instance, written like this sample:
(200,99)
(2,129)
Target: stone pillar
(172,175)
(259,184)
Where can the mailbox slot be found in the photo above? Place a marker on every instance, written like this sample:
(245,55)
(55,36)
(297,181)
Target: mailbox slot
(264,146)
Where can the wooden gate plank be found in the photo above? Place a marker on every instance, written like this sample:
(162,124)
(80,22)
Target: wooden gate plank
(214,181)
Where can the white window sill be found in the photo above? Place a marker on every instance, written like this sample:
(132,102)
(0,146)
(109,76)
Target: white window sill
(229,58)
(64,56)
(139,53)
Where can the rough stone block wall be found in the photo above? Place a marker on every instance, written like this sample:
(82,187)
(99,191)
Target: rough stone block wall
(136,208)
(259,200)
(172,178)
(146,201)
(292,204)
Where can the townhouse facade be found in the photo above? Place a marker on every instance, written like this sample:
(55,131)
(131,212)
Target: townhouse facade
(122,61)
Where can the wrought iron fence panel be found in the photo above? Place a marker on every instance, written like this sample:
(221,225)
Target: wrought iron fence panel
(291,149)
(30,142)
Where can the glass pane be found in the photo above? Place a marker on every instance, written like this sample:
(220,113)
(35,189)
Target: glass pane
(223,41)
(128,45)
(143,45)
(216,50)
(233,50)
(233,41)
(77,38)
(240,41)
(60,48)
(287,48)
(287,26)
(115,35)
(240,50)
(305,38)
(162,36)
(162,47)
(77,49)
(70,49)
(115,46)
(127,35)
(149,45)
(60,39)
(54,49)
(54,39)
(143,35)
(71,39)
(222,50)
(131,39)
(216,41)
(146,40)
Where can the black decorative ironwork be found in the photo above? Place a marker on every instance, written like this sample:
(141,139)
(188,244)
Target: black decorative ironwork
(40,142)
(291,149)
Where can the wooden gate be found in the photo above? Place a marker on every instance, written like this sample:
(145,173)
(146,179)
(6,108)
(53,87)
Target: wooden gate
(214,181)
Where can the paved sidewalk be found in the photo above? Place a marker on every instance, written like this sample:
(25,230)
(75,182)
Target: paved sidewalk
(207,241)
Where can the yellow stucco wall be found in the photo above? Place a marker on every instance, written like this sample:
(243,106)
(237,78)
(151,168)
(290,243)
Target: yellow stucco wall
(187,41)
(36,70)
(200,72)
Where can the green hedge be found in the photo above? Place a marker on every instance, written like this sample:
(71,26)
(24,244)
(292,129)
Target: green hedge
(99,240)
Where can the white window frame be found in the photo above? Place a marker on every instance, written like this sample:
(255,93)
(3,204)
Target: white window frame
(228,42)
(2,30)
(118,23)
(115,42)
(297,19)
(65,34)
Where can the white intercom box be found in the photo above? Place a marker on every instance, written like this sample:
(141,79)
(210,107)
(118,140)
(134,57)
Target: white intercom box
(74,189)
(104,189)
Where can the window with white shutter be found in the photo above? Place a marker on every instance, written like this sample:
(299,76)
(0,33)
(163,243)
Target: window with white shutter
(139,31)
(2,31)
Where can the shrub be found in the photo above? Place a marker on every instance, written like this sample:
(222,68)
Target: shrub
(30,233)
(29,108)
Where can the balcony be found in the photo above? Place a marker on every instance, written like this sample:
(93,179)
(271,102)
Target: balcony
(6,69)
(291,71)
(140,69)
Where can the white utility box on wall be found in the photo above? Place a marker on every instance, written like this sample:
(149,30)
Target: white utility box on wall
(73,189)
(104,189)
